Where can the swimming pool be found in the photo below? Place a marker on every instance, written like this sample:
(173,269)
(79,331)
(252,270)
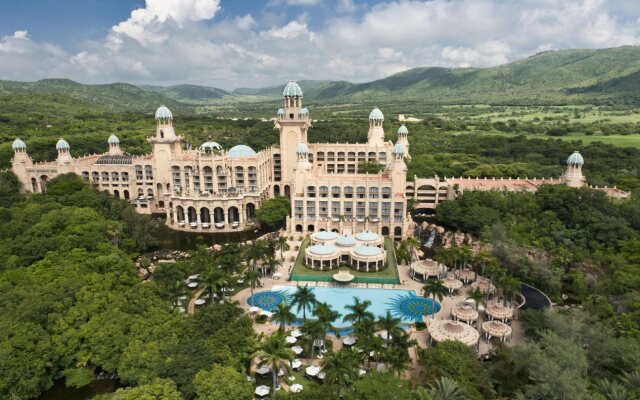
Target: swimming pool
(404,304)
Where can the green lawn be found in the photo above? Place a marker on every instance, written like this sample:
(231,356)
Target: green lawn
(388,275)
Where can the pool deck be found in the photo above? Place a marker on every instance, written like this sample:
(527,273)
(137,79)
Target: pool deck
(405,283)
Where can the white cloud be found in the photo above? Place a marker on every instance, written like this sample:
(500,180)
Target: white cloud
(174,41)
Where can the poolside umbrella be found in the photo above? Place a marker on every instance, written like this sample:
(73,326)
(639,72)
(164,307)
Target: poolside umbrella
(296,333)
(296,388)
(192,284)
(200,302)
(349,341)
(263,370)
(281,372)
(498,311)
(262,390)
(496,329)
(361,372)
(321,375)
(297,349)
(290,339)
(312,370)
(296,364)
(254,310)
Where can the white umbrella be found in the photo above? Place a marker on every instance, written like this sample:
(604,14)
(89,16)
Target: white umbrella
(262,390)
(254,310)
(361,372)
(200,302)
(194,277)
(297,349)
(349,341)
(296,333)
(192,284)
(321,375)
(266,313)
(290,339)
(385,335)
(296,388)
(265,369)
(296,363)
(277,275)
(312,370)
(281,372)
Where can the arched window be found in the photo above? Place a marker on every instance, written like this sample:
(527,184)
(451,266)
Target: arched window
(139,172)
(386,192)
(319,157)
(85,175)
(115,176)
(125,176)
(148,171)
(335,191)
(324,191)
(150,193)
(105,176)
(311,191)
(348,192)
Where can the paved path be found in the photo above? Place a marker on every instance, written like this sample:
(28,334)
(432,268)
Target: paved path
(191,308)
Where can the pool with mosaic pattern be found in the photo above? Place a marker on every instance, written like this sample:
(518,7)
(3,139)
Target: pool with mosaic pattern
(404,304)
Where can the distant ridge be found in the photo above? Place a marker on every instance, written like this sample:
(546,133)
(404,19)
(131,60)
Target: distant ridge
(550,77)
(112,96)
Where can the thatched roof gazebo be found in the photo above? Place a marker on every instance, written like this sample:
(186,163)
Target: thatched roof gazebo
(452,330)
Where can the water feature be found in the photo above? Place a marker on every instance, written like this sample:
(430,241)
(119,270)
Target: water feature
(404,304)
(60,391)
(534,298)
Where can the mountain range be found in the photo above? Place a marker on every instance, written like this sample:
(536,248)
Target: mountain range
(550,77)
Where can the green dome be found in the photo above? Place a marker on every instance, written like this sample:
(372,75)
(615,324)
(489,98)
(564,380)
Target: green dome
(62,145)
(113,139)
(292,90)
(376,115)
(18,144)
(403,131)
(575,159)
(163,113)
(240,151)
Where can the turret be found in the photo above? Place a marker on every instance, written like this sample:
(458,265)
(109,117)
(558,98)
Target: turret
(114,145)
(376,131)
(293,123)
(573,174)
(398,169)
(64,150)
(164,124)
(403,139)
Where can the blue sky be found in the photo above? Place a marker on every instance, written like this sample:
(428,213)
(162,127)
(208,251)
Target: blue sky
(252,43)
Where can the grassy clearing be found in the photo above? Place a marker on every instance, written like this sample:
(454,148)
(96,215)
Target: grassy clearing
(616,140)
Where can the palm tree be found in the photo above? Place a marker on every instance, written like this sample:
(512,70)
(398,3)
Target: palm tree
(312,331)
(341,369)
(304,299)
(365,330)
(214,281)
(283,315)
(390,324)
(446,389)
(412,244)
(272,263)
(272,351)
(612,390)
(255,252)
(465,254)
(631,380)
(511,286)
(359,311)
(435,288)
(478,297)
(282,245)
(326,316)
(252,278)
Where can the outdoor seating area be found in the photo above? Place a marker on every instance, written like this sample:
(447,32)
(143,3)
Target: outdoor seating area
(421,270)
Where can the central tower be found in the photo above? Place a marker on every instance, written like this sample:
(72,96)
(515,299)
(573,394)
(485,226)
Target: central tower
(293,123)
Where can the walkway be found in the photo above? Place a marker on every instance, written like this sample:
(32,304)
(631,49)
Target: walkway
(191,308)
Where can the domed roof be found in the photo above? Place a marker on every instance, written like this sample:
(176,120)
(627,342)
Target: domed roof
(304,111)
(366,236)
(376,115)
(113,139)
(302,149)
(403,130)
(280,111)
(163,113)
(345,241)
(397,150)
(325,235)
(210,145)
(292,89)
(575,159)
(62,145)
(368,251)
(240,151)
(322,249)
(18,144)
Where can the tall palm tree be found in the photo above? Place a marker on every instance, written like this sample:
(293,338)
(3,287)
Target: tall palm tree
(359,311)
(478,297)
(510,286)
(252,278)
(412,244)
(326,316)
(612,390)
(341,369)
(304,299)
(257,251)
(365,330)
(465,254)
(272,263)
(312,330)
(390,324)
(273,351)
(435,289)
(446,389)
(283,316)
(282,245)
(214,281)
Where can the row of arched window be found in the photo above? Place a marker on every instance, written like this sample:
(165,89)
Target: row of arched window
(347,192)
(361,156)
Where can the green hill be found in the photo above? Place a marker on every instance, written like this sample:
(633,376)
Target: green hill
(113,96)
(189,93)
(549,77)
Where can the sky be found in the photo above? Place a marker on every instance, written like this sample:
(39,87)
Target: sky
(254,43)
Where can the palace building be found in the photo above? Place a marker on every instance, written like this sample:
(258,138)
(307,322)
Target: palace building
(208,188)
